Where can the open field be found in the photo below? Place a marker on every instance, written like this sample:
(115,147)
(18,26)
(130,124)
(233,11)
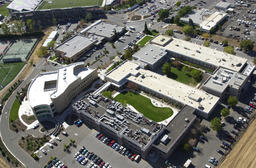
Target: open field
(14,110)
(68,3)
(144,40)
(3,10)
(144,105)
(244,152)
(9,72)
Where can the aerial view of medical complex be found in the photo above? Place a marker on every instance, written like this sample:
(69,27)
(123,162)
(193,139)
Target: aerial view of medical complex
(127,83)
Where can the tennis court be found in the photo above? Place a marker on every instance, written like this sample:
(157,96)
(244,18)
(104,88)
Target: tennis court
(19,50)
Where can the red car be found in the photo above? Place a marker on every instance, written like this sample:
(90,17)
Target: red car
(102,164)
(252,105)
(100,136)
(133,157)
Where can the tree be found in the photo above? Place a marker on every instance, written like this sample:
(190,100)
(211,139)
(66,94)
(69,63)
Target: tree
(188,30)
(42,52)
(229,49)
(5,28)
(178,3)
(176,20)
(166,68)
(216,124)
(163,13)
(169,32)
(254,60)
(54,21)
(232,101)
(247,45)
(146,31)
(88,16)
(224,112)
(128,54)
(51,44)
(206,35)
(187,147)
(183,11)
(225,43)
(207,43)
(30,24)
(191,23)
(196,74)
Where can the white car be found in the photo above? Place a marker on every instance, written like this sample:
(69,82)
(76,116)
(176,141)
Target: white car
(207,166)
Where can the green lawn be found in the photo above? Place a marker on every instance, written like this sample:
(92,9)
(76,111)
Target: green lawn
(68,3)
(3,10)
(14,110)
(182,77)
(143,41)
(144,105)
(8,72)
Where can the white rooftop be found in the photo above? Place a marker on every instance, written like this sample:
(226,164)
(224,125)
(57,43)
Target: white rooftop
(150,54)
(165,86)
(74,45)
(103,29)
(212,21)
(39,94)
(23,5)
(206,54)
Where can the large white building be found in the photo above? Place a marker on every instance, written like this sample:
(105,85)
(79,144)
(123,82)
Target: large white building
(23,5)
(51,92)
(201,55)
(163,87)
(212,21)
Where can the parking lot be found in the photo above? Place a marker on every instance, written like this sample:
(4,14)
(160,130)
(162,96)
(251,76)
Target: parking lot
(211,145)
(242,24)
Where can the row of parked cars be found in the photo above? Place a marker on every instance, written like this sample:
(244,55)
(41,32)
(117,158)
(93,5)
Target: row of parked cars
(117,147)
(55,163)
(83,156)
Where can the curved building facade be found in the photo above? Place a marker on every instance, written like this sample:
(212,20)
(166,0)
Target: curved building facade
(51,92)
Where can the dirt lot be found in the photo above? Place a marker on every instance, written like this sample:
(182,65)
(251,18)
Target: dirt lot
(244,152)
(3,163)
(28,67)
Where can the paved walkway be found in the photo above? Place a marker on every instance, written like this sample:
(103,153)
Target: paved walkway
(25,109)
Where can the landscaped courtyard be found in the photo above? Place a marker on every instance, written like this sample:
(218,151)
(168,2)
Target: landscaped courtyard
(52,4)
(144,106)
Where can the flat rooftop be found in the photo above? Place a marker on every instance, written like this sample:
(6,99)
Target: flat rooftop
(223,5)
(50,85)
(165,86)
(180,92)
(103,29)
(177,127)
(23,5)
(120,73)
(122,120)
(74,45)
(212,20)
(206,54)
(198,16)
(150,54)
(161,40)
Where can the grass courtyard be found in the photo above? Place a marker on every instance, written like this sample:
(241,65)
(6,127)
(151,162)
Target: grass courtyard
(8,72)
(68,3)
(144,106)
(144,40)
(14,110)
(3,10)
(182,76)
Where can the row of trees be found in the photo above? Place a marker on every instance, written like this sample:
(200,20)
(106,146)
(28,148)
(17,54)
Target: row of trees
(216,122)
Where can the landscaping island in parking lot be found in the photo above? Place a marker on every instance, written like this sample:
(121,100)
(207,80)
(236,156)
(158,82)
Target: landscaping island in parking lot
(144,105)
